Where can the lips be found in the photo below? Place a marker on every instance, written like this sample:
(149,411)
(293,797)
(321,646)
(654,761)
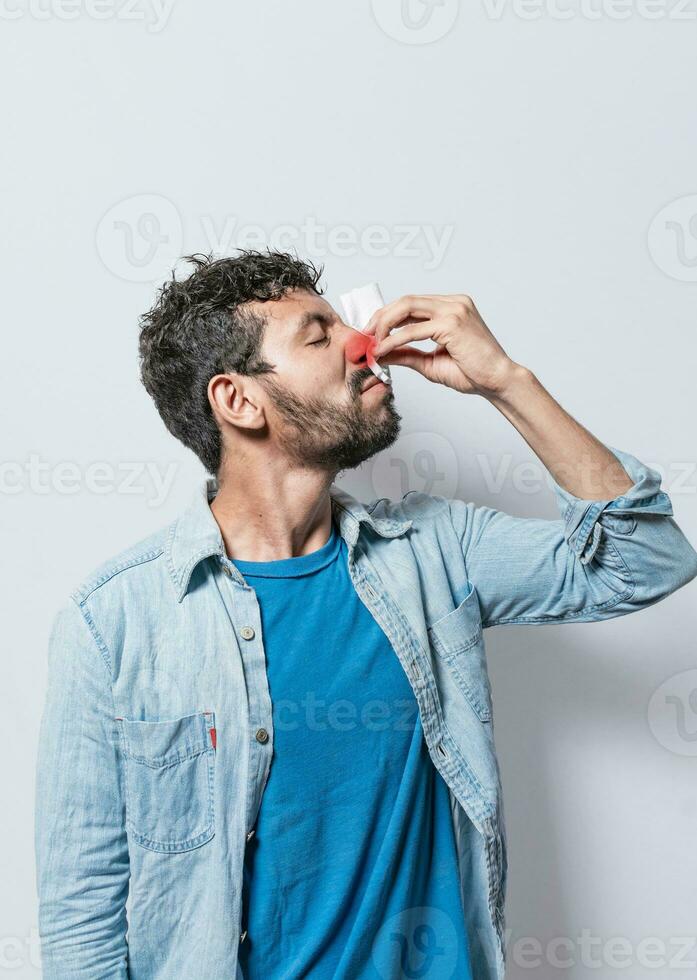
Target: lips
(370,383)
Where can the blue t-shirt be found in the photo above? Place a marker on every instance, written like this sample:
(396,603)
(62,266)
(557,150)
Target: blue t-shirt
(352,873)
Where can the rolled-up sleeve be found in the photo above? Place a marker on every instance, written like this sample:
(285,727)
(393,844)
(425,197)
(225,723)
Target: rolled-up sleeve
(603,558)
(82,864)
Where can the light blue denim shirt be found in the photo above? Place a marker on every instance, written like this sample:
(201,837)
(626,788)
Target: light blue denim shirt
(157,733)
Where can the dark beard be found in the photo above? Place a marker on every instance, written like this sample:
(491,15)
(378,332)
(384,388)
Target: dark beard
(317,433)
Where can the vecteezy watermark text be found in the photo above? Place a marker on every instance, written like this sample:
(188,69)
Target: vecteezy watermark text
(141,237)
(66,478)
(343,715)
(673,10)
(594,952)
(154,13)
(411,241)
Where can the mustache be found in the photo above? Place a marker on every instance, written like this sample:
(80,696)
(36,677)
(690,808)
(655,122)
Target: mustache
(358,379)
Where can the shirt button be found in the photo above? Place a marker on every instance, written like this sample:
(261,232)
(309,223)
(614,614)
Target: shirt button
(250,835)
(243,936)
(247,632)
(262,735)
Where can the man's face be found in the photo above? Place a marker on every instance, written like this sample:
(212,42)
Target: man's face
(317,409)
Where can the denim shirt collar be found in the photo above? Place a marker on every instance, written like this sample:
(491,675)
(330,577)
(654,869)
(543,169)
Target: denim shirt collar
(195,535)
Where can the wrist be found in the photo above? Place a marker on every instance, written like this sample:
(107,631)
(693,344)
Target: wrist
(515,382)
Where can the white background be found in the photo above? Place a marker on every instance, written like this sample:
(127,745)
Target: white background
(551,151)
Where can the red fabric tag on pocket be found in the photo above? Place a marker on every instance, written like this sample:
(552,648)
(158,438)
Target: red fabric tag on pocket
(213,735)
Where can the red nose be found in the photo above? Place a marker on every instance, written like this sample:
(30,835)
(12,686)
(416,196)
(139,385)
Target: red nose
(358,345)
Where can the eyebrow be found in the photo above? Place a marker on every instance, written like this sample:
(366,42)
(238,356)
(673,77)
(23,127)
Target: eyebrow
(313,316)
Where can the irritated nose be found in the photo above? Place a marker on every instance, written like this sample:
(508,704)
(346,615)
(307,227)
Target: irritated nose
(358,346)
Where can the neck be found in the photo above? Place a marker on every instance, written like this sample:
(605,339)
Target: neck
(272,512)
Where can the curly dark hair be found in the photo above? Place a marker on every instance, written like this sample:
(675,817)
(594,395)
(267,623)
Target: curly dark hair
(198,327)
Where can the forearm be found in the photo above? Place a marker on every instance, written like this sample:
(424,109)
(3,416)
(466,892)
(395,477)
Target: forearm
(576,459)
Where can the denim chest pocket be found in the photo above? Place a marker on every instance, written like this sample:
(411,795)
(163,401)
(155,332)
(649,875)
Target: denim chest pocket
(169,775)
(457,639)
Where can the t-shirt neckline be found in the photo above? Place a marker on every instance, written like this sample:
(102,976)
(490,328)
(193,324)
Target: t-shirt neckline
(296,566)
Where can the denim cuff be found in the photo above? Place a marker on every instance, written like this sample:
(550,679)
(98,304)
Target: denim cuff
(583,530)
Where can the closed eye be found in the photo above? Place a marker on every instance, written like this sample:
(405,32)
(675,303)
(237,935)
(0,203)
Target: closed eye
(319,343)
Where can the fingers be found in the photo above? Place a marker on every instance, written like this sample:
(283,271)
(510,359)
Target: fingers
(407,307)
(414,309)
(410,357)
(422,330)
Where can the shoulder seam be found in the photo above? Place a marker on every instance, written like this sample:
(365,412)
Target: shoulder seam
(97,637)
(83,592)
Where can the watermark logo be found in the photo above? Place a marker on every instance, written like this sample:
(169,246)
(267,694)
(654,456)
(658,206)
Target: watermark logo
(672,239)
(140,238)
(162,690)
(423,941)
(415,21)
(424,461)
(672,713)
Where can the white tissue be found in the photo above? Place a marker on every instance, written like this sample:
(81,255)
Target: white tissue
(359,305)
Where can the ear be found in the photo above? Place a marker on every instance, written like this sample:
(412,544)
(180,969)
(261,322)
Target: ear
(233,400)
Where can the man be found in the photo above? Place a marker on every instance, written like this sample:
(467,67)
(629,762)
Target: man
(271,722)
